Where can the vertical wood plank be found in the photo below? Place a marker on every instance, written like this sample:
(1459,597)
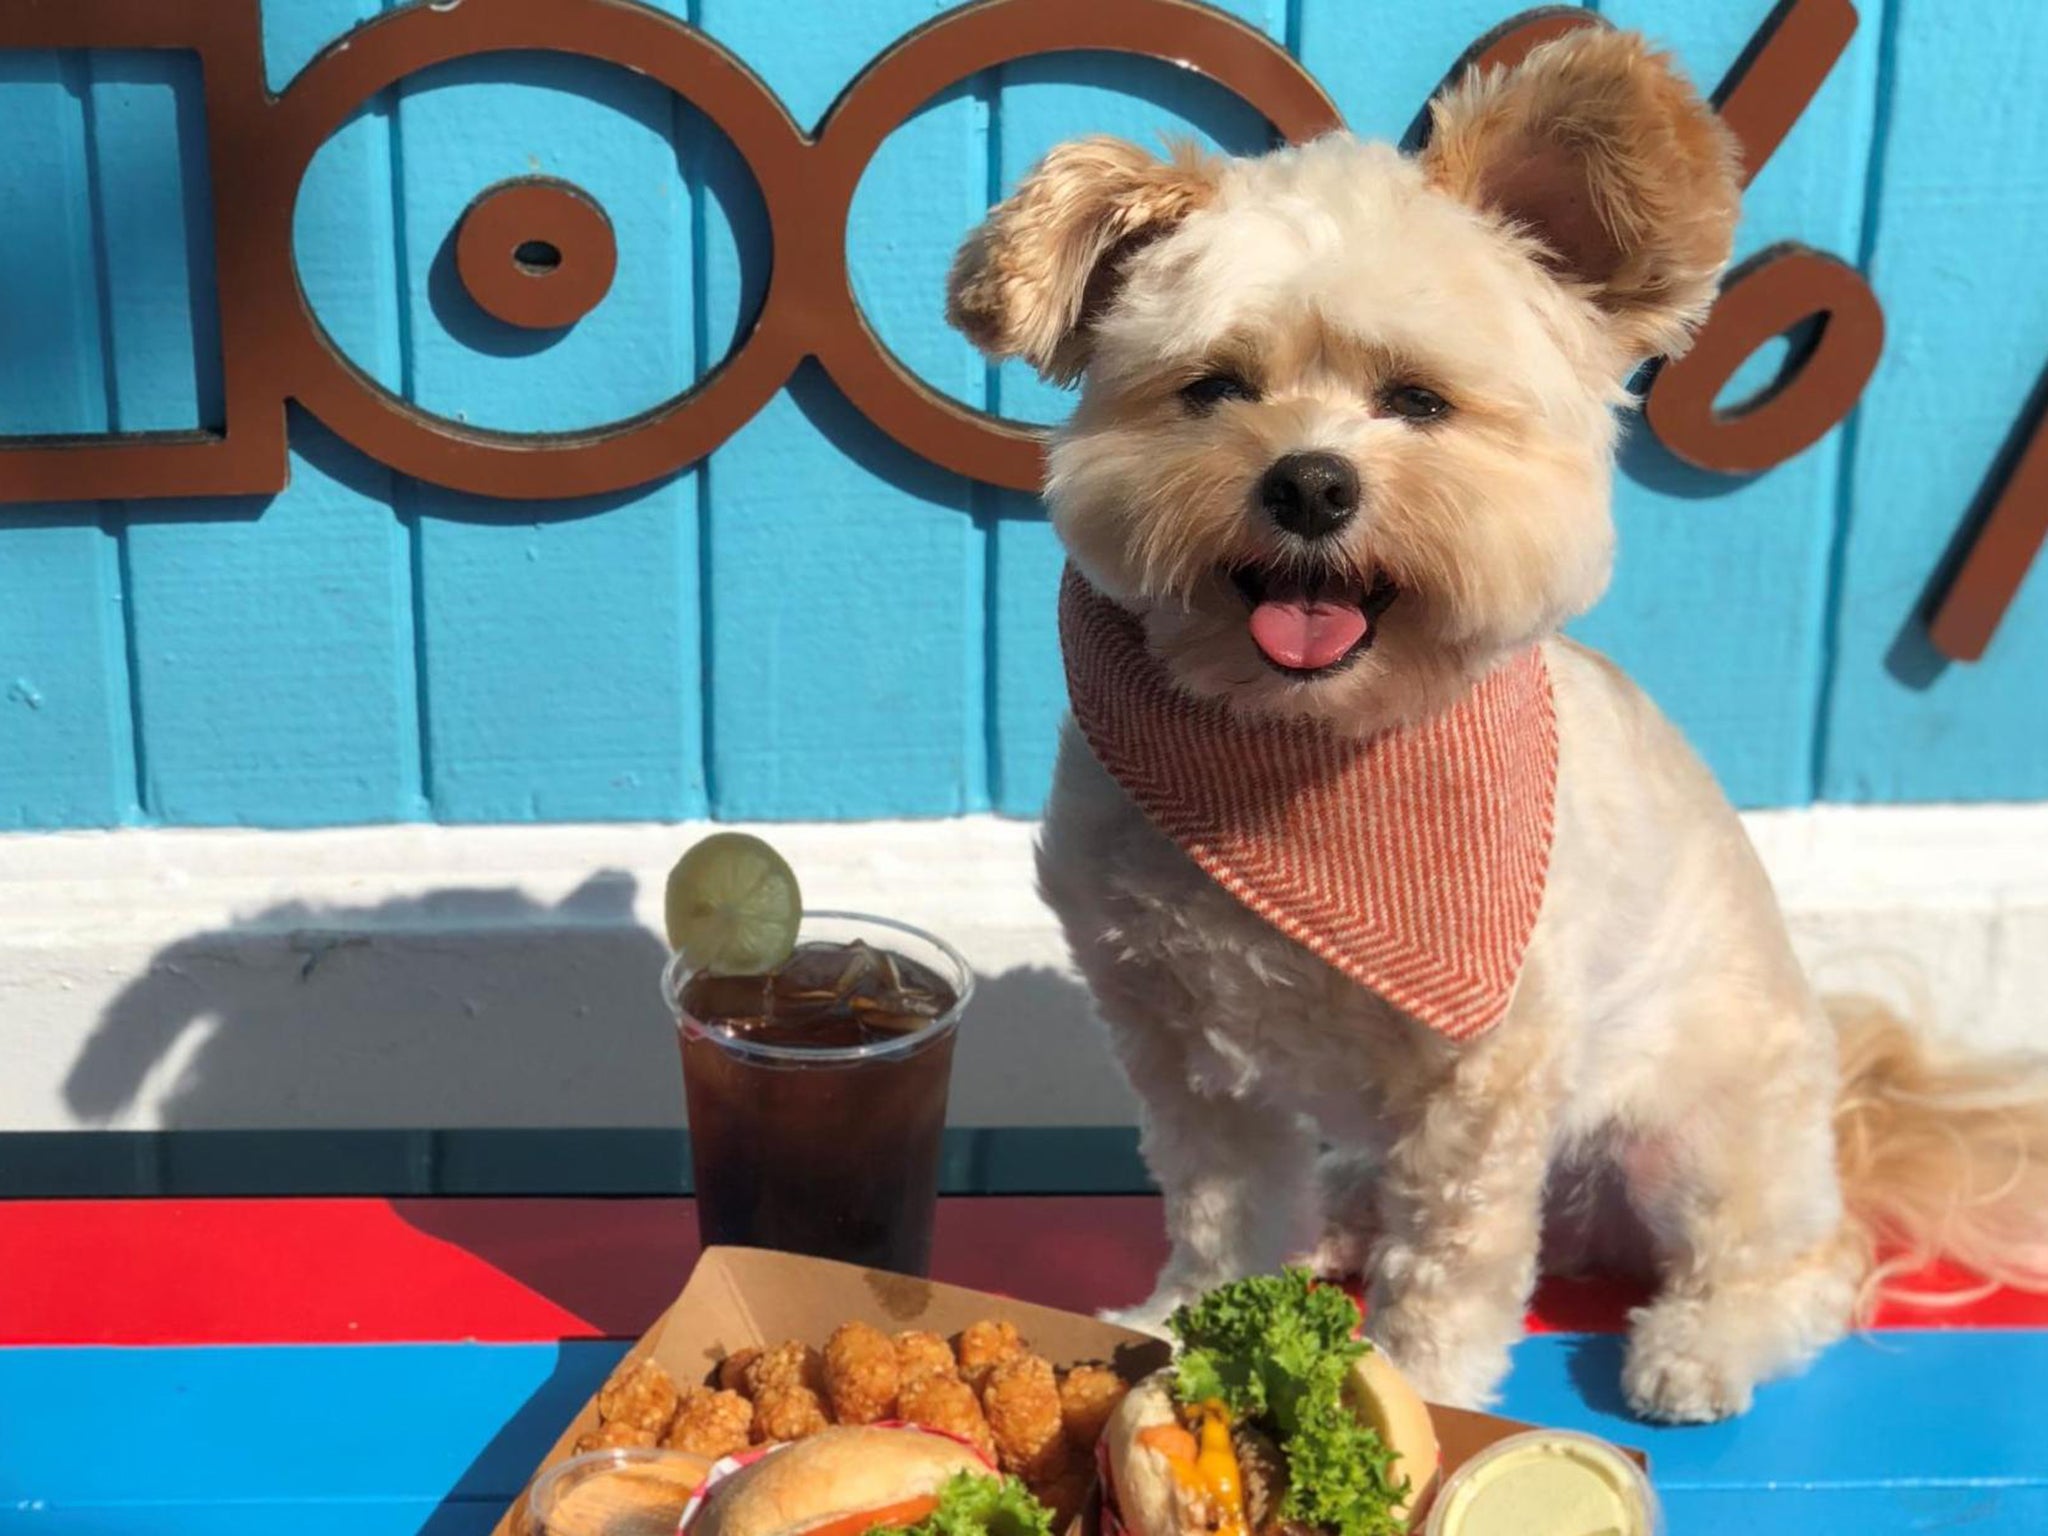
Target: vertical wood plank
(156,239)
(1721,586)
(53,378)
(1955,253)
(924,188)
(559,641)
(273,646)
(1041,103)
(844,576)
(160,308)
(66,753)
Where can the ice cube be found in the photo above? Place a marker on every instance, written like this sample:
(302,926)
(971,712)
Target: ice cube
(903,998)
(824,995)
(739,1001)
(814,982)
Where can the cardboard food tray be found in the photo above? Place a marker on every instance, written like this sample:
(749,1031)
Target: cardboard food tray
(748,1296)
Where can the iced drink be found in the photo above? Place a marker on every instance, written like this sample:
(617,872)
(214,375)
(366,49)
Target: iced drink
(817,1092)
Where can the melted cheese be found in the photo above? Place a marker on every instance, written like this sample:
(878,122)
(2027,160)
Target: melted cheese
(1205,1464)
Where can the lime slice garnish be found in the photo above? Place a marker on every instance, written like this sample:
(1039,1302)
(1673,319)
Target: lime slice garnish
(733,906)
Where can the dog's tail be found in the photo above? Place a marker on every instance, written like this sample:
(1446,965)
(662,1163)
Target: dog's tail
(1942,1157)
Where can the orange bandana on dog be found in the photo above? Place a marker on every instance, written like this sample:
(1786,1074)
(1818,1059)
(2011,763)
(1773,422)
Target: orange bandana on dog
(1413,862)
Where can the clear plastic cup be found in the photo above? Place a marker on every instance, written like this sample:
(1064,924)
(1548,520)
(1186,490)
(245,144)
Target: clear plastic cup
(833,1151)
(1547,1482)
(625,1492)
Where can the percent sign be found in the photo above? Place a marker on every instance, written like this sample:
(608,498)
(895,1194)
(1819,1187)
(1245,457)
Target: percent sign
(1782,288)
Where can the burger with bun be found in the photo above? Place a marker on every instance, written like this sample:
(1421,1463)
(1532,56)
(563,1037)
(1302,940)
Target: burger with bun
(851,1480)
(1273,1420)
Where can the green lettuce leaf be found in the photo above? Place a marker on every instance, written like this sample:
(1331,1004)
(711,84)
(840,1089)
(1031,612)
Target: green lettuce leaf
(1277,1351)
(973,1504)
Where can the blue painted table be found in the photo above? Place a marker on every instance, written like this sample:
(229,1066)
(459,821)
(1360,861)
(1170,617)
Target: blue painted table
(224,1397)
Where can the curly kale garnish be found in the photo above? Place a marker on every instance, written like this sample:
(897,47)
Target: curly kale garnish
(974,1505)
(1276,1350)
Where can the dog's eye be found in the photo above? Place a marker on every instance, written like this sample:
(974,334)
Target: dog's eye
(1205,392)
(1414,403)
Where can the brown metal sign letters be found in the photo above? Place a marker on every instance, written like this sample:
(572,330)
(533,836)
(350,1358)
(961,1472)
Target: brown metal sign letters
(538,252)
(273,347)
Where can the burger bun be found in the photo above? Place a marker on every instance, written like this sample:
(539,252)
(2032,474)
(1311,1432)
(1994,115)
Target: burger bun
(1376,1393)
(1141,1476)
(832,1476)
(1380,1396)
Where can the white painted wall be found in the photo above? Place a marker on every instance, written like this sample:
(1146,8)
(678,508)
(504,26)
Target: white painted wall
(506,976)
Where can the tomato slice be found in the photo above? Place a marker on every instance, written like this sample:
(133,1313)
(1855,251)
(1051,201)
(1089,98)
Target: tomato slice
(909,1512)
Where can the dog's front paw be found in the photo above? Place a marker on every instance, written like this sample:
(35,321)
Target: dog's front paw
(1677,1372)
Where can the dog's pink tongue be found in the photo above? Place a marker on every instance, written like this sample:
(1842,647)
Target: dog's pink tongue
(1305,635)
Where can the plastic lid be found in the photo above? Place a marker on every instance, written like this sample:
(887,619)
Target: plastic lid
(1547,1482)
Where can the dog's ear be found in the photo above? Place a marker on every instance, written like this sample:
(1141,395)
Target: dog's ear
(1048,259)
(1598,148)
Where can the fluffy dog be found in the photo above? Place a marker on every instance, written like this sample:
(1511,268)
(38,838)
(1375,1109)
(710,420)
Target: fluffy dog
(1342,454)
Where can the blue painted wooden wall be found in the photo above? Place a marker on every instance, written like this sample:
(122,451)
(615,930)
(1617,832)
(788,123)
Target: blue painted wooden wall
(813,623)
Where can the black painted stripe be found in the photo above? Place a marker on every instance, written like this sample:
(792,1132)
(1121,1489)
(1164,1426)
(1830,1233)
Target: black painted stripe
(985,1160)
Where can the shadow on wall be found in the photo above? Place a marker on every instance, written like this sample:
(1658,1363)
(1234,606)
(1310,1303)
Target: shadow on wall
(1032,1053)
(460,1007)
(483,1008)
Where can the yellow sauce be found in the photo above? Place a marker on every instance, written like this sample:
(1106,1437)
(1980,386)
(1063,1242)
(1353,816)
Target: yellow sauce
(1212,1470)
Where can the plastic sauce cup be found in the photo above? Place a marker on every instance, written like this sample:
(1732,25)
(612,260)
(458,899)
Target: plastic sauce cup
(1547,1482)
(626,1492)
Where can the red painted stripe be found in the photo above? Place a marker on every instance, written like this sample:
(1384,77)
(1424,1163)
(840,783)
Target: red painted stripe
(385,1271)
(502,1271)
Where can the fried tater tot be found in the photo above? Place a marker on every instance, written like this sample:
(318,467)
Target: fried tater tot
(711,1423)
(1088,1396)
(861,1375)
(946,1403)
(790,1364)
(641,1395)
(732,1371)
(923,1354)
(984,1346)
(1022,1402)
(616,1434)
(787,1411)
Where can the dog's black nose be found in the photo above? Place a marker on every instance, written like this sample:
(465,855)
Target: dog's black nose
(1310,494)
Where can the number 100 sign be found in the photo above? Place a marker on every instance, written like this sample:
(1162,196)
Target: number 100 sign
(538,252)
